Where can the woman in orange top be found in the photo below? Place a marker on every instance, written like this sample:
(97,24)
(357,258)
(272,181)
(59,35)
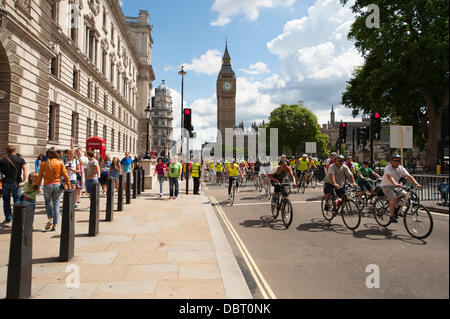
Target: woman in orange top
(51,171)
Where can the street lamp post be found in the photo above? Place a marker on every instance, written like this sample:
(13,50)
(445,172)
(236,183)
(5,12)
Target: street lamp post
(183,73)
(147,114)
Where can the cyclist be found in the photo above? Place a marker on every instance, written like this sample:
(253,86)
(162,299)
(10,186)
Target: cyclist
(302,166)
(330,161)
(350,165)
(281,173)
(391,186)
(292,163)
(233,171)
(363,179)
(312,167)
(219,170)
(256,168)
(265,169)
(335,178)
(211,169)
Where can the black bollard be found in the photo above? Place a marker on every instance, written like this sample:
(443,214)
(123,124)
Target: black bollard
(143,180)
(94,215)
(120,194)
(128,189)
(134,184)
(20,253)
(138,181)
(110,200)
(67,242)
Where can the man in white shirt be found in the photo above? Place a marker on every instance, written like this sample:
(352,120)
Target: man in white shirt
(390,183)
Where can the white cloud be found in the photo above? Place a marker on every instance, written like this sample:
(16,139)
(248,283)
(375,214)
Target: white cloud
(208,63)
(256,69)
(250,8)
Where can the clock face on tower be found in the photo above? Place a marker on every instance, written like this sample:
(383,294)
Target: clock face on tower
(227,85)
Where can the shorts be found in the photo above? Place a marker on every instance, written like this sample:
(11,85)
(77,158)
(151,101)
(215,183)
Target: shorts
(89,183)
(73,182)
(365,186)
(103,179)
(328,189)
(392,192)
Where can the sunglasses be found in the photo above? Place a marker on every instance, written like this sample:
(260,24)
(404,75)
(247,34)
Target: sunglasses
(341,161)
(396,160)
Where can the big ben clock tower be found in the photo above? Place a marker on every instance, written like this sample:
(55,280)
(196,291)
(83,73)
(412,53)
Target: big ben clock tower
(226,95)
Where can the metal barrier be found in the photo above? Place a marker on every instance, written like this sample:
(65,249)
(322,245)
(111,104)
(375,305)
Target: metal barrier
(128,189)
(120,194)
(94,213)
(138,181)
(134,184)
(110,200)
(432,187)
(142,180)
(67,241)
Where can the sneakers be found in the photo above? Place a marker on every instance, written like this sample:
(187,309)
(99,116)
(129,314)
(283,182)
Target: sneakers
(53,228)
(174,197)
(170,197)
(49,224)
(6,221)
(160,195)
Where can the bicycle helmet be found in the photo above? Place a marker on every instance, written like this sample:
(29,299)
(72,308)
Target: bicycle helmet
(396,156)
(341,157)
(305,156)
(334,153)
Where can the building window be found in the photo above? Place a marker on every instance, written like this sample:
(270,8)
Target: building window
(54,66)
(76,79)
(52,122)
(74,24)
(89,89)
(75,126)
(105,132)
(104,54)
(112,73)
(54,11)
(118,141)
(112,139)
(124,143)
(112,34)
(118,80)
(95,128)
(113,110)
(88,128)
(105,101)
(96,98)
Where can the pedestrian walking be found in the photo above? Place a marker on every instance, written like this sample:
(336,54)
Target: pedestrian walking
(127,164)
(73,168)
(14,169)
(104,172)
(38,162)
(196,174)
(161,170)
(30,190)
(52,170)
(92,171)
(175,171)
(114,171)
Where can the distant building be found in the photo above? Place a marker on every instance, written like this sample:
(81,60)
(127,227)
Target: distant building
(162,120)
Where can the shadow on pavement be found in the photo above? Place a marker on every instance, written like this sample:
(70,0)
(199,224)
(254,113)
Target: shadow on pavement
(47,260)
(264,221)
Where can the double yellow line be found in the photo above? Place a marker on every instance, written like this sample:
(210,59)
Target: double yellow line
(262,284)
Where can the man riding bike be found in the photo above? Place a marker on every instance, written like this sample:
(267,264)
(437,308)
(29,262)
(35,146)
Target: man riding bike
(233,171)
(219,170)
(256,169)
(282,172)
(330,161)
(302,167)
(337,173)
(363,179)
(391,186)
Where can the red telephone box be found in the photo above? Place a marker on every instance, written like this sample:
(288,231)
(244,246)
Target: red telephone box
(97,143)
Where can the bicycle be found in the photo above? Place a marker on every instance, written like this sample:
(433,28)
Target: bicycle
(349,210)
(267,188)
(301,183)
(367,199)
(219,178)
(417,218)
(281,202)
(243,179)
(233,190)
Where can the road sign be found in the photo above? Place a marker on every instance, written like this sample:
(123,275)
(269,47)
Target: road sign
(401,136)
(311,147)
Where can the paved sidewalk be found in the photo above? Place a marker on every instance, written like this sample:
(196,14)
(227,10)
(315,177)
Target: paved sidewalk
(155,248)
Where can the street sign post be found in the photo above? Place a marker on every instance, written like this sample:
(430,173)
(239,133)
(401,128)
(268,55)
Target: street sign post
(311,147)
(401,137)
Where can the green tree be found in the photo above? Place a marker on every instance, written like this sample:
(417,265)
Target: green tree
(296,125)
(405,76)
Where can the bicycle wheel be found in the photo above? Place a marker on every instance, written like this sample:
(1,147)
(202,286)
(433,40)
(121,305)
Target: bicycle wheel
(351,214)
(274,207)
(418,221)
(233,193)
(314,182)
(327,214)
(244,181)
(303,186)
(380,210)
(255,182)
(287,212)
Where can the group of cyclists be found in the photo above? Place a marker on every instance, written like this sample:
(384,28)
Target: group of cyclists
(338,170)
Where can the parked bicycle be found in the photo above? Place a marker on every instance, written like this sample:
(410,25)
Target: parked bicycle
(281,202)
(417,218)
(349,210)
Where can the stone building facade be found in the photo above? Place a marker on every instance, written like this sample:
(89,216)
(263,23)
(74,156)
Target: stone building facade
(70,69)
(162,118)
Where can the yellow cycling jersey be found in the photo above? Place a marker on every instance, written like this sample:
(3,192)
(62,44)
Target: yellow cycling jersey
(211,166)
(292,163)
(312,164)
(302,165)
(219,167)
(233,170)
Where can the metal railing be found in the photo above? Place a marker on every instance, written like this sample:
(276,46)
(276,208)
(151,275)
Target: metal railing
(431,190)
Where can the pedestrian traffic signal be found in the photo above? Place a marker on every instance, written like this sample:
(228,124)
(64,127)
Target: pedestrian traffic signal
(343,132)
(376,126)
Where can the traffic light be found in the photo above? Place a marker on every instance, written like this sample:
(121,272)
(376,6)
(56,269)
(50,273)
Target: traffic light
(365,131)
(343,132)
(376,126)
(187,119)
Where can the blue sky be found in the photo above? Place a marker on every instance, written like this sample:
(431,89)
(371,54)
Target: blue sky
(282,51)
